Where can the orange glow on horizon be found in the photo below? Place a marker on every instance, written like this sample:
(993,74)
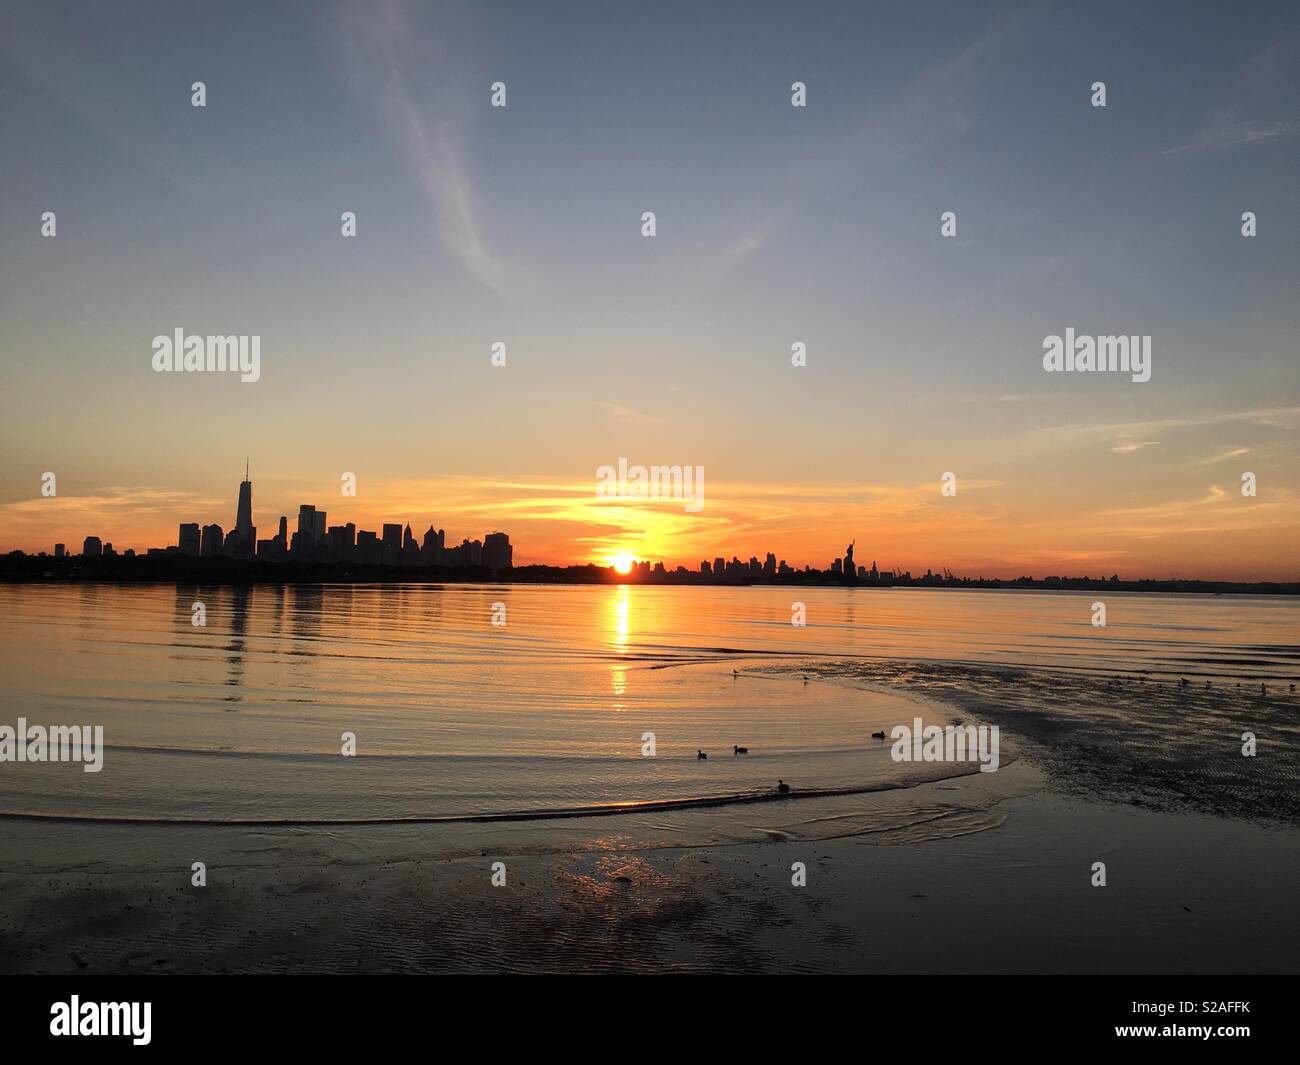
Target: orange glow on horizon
(992,528)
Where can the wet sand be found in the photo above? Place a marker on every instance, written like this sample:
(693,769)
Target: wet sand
(1141,738)
(988,873)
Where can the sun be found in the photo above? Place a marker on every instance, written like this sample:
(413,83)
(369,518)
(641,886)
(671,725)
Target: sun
(622,562)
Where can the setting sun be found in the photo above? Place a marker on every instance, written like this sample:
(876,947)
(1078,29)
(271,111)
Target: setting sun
(622,562)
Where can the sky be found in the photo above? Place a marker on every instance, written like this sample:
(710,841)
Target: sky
(775,225)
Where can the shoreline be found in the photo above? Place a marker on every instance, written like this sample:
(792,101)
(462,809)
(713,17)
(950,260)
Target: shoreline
(1002,890)
(567,813)
(1143,740)
(19,568)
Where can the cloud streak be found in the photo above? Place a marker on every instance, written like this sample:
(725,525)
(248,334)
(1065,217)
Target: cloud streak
(435,156)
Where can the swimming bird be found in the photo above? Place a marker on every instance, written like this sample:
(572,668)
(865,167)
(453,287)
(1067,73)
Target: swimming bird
(1182,682)
(700,755)
(877,735)
(783,787)
(739,750)
(1293,687)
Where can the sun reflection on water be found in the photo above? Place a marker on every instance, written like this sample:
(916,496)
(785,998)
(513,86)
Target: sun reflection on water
(619,622)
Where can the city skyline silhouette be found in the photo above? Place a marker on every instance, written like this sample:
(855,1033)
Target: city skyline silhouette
(314,543)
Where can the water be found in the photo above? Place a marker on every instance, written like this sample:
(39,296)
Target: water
(243,718)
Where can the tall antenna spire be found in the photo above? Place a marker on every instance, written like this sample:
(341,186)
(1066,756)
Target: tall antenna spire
(246,469)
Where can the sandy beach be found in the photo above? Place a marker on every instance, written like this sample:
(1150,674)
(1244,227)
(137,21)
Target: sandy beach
(990,873)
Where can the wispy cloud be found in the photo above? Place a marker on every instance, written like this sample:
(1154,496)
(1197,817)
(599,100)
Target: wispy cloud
(426,141)
(1232,134)
(442,171)
(749,242)
(631,415)
(1223,456)
(1259,109)
(1215,510)
(115,513)
(1256,415)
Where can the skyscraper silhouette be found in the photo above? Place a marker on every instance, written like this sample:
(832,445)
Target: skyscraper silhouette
(245,534)
(189,539)
(243,515)
(306,535)
(497,552)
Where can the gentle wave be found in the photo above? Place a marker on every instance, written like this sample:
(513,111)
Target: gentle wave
(541,814)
